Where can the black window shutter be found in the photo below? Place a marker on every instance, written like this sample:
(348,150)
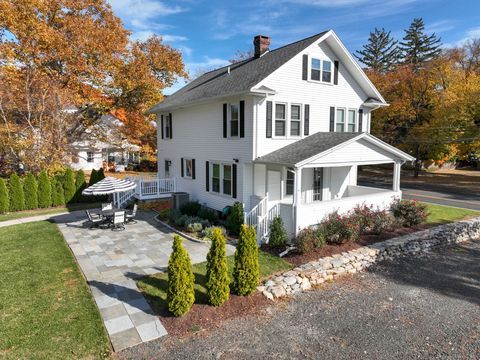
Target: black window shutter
(193,168)
(207,176)
(335,72)
(269,119)
(305,67)
(181,166)
(306,122)
(332,119)
(234,181)
(171,127)
(224,120)
(161,124)
(242,118)
(360,120)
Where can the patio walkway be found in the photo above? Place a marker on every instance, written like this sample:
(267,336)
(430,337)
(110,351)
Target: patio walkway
(111,260)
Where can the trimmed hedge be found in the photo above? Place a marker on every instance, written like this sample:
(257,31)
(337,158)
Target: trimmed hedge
(44,190)
(4,200)
(180,290)
(58,196)
(30,188)
(218,283)
(69,186)
(80,185)
(17,197)
(93,177)
(246,271)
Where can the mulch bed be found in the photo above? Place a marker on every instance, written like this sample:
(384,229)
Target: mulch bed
(297,259)
(203,318)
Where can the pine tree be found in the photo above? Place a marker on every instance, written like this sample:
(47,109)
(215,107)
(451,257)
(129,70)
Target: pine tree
(381,52)
(93,177)
(4,200)
(180,291)
(58,196)
(44,190)
(80,185)
(246,273)
(17,197)
(418,47)
(278,235)
(69,185)
(218,283)
(100,174)
(30,188)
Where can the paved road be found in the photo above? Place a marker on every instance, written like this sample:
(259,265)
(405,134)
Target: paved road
(410,308)
(431,193)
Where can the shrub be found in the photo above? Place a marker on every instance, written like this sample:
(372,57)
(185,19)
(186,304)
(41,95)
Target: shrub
(30,190)
(17,197)
(246,271)
(80,185)
(208,232)
(4,200)
(363,215)
(208,214)
(382,221)
(235,218)
(69,186)
(278,236)
(194,227)
(58,196)
(44,190)
(180,291)
(173,215)
(409,212)
(309,239)
(190,208)
(93,177)
(100,175)
(340,229)
(218,283)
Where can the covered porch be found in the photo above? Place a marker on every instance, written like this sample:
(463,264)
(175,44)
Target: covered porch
(309,179)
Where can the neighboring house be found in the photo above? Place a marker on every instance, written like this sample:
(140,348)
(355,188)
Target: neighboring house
(282,132)
(104,144)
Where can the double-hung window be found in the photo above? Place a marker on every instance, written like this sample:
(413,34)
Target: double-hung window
(321,70)
(216,178)
(280,119)
(90,156)
(189,168)
(221,178)
(326,71)
(227,179)
(295,120)
(351,121)
(167,127)
(234,119)
(290,183)
(340,120)
(317,184)
(315,69)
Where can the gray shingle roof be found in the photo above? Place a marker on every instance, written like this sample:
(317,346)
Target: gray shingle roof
(306,148)
(243,76)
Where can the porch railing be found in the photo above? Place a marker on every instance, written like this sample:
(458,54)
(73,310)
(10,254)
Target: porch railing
(260,217)
(152,187)
(258,210)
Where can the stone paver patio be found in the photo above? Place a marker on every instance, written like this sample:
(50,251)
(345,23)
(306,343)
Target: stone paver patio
(112,260)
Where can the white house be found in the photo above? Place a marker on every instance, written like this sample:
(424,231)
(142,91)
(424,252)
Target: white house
(282,132)
(102,145)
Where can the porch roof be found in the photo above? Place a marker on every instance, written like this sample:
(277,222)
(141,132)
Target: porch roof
(319,144)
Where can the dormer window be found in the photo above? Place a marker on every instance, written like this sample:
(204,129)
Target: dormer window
(321,70)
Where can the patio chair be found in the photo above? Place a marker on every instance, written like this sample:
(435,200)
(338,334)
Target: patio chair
(95,219)
(118,221)
(107,206)
(130,216)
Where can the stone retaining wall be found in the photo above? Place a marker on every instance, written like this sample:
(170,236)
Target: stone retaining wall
(328,268)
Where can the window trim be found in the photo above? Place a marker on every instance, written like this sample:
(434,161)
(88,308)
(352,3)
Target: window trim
(221,165)
(93,157)
(347,110)
(229,118)
(185,167)
(285,120)
(300,120)
(287,195)
(322,60)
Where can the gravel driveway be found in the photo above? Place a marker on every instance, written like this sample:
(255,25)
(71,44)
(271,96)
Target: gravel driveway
(410,308)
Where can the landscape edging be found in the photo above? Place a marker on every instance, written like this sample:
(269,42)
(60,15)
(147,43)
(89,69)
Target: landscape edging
(303,277)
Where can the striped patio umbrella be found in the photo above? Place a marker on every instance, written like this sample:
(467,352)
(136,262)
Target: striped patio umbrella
(109,185)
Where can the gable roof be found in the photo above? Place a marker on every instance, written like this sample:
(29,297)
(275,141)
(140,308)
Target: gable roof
(242,77)
(314,145)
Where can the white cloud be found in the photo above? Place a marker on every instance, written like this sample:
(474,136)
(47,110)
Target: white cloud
(472,33)
(439,26)
(174,38)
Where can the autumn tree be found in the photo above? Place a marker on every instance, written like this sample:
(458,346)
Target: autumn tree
(381,52)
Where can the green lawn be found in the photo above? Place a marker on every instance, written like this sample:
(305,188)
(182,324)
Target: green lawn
(440,214)
(48,211)
(155,286)
(46,309)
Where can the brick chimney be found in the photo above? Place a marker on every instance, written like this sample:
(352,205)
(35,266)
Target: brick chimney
(261,44)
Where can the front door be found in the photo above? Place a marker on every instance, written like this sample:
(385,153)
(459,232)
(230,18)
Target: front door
(274,186)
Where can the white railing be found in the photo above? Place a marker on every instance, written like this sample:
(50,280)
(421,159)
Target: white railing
(149,187)
(263,223)
(260,209)
(121,199)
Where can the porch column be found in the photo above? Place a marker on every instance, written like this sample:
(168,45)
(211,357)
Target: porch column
(396,176)
(297,198)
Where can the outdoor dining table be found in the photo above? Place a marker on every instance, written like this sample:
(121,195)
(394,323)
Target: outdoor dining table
(110,212)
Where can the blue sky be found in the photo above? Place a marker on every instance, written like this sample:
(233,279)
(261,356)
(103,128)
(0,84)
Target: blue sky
(209,32)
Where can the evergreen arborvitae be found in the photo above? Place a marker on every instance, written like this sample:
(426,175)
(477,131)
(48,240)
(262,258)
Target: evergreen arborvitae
(100,174)
(44,190)
(80,185)
(278,235)
(58,196)
(17,197)
(381,52)
(69,186)
(180,291)
(4,200)
(235,219)
(218,283)
(93,177)
(418,47)
(30,189)
(246,273)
